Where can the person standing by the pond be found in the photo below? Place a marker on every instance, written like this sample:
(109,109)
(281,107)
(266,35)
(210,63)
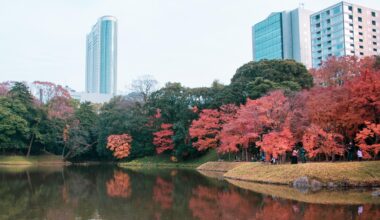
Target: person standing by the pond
(294,156)
(302,153)
(351,151)
(360,154)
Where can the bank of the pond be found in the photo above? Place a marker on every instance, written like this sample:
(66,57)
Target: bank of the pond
(45,160)
(350,196)
(164,161)
(327,174)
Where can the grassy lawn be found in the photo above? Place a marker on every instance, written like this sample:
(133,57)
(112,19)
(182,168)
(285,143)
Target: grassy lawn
(32,160)
(349,173)
(164,161)
(220,166)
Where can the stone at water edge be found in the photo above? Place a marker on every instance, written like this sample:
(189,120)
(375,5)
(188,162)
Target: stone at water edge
(376,193)
(302,182)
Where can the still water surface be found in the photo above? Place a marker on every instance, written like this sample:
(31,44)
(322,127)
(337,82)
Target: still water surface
(107,192)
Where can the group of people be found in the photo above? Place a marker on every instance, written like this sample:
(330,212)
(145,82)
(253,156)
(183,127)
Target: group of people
(299,153)
(351,152)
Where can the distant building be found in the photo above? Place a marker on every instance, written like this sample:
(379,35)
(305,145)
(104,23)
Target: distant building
(344,29)
(283,35)
(101,57)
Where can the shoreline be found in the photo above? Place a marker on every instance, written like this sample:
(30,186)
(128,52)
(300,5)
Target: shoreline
(309,175)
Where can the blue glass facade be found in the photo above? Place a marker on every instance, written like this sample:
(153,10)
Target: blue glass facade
(107,56)
(268,38)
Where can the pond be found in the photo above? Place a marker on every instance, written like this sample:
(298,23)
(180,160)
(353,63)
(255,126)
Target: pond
(108,192)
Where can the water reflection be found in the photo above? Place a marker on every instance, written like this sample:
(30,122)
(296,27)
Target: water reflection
(104,192)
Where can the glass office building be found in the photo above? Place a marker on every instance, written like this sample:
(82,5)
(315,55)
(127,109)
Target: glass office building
(283,35)
(101,57)
(268,38)
(344,29)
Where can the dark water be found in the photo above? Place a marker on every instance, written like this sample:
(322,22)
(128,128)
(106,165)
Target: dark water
(106,192)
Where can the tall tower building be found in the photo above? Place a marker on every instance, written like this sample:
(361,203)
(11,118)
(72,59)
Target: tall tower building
(101,57)
(283,35)
(344,29)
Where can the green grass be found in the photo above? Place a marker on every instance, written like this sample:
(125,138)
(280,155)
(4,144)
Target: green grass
(343,173)
(32,160)
(163,161)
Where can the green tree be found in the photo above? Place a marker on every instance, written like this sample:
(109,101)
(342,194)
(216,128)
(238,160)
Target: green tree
(82,137)
(255,79)
(14,129)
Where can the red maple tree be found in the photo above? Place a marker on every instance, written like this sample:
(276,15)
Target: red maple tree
(163,139)
(206,129)
(120,145)
(277,143)
(316,142)
(253,119)
(369,140)
(335,71)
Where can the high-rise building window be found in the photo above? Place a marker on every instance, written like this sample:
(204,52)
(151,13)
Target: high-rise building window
(360,19)
(360,27)
(359,10)
(374,36)
(360,40)
(318,25)
(373,30)
(361,47)
(373,14)
(361,53)
(350,17)
(374,49)
(360,33)
(374,43)
(374,22)
(350,8)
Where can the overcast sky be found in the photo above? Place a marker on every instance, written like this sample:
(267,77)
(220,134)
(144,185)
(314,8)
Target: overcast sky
(189,41)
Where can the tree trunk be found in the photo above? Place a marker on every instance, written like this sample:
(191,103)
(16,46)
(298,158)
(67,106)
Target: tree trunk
(30,146)
(63,151)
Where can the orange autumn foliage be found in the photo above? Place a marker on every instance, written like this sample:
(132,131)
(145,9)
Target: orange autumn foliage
(371,133)
(119,185)
(120,145)
(163,139)
(206,129)
(277,143)
(252,120)
(317,141)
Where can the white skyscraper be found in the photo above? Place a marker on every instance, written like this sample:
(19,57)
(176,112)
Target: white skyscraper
(101,57)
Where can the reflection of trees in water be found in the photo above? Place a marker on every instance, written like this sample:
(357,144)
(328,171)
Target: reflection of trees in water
(210,203)
(24,195)
(90,192)
(163,193)
(120,185)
